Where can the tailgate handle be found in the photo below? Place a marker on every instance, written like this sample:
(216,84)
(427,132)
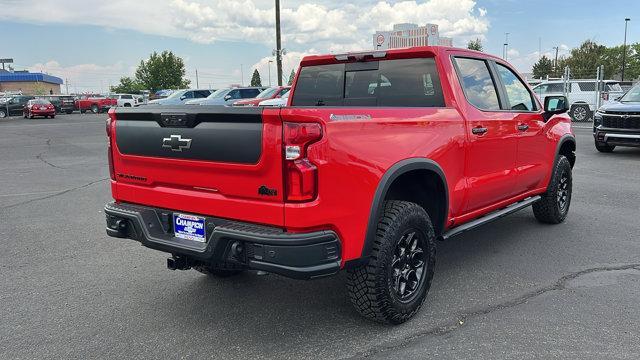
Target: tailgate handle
(479,130)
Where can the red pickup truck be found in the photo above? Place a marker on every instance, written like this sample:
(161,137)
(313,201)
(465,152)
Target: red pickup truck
(95,104)
(377,156)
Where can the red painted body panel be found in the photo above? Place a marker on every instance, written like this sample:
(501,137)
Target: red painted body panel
(85,104)
(483,172)
(206,187)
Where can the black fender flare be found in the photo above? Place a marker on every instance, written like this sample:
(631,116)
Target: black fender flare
(387,179)
(563,140)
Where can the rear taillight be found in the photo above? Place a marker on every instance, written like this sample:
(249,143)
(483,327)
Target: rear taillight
(300,173)
(111,123)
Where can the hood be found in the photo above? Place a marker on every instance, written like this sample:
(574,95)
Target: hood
(253,101)
(616,106)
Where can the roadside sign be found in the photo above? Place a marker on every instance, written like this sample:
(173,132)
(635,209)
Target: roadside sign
(380,39)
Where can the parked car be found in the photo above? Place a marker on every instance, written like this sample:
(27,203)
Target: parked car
(228,96)
(269,93)
(277,102)
(39,107)
(344,178)
(95,104)
(14,105)
(125,100)
(180,97)
(581,95)
(618,123)
(62,103)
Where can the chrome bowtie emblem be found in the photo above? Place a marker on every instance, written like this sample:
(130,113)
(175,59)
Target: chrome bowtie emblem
(176,143)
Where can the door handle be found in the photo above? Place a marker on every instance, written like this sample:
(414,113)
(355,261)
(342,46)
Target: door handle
(479,130)
(523,127)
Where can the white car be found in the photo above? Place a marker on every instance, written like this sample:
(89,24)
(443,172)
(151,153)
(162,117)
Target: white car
(279,102)
(125,100)
(581,95)
(181,97)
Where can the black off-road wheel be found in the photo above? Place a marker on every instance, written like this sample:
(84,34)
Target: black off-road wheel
(220,270)
(603,147)
(393,285)
(95,109)
(554,205)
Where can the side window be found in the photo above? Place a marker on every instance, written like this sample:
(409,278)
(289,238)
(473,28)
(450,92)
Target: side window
(518,96)
(249,93)
(587,86)
(201,94)
(234,94)
(477,83)
(188,95)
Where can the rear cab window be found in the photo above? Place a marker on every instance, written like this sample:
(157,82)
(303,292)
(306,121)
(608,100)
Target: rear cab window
(385,83)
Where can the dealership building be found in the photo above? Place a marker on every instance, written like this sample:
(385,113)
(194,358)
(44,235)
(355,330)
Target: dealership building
(29,83)
(407,35)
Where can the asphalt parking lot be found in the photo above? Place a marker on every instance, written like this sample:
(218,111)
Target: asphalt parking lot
(512,289)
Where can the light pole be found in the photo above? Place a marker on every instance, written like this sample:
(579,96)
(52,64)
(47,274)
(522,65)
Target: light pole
(278,44)
(506,45)
(269,65)
(624,47)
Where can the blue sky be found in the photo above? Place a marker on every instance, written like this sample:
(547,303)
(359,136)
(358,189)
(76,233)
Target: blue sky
(94,43)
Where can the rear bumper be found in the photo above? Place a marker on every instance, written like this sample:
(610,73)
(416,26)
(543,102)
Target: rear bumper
(618,137)
(295,255)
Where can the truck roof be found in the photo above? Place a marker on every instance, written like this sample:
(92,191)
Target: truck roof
(400,53)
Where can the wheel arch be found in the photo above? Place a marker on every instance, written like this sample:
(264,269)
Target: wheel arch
(567,147)
(417,180)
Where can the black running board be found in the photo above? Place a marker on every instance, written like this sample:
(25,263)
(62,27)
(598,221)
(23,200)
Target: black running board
(490,217)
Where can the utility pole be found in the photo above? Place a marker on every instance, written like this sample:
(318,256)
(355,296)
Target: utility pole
(555,63)
(624,47)
(506,46)
(66,82)
(278,44)
(197,82)
(269,65)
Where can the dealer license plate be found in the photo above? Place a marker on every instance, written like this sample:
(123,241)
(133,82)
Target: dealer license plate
(189,227)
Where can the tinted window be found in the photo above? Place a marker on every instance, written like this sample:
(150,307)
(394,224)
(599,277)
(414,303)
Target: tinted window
(393,83)
(518,96)
(188,95)
(320,85)
(127,97)
(234,94)
(587,86)
(477,83)
(201,94)
(249,93)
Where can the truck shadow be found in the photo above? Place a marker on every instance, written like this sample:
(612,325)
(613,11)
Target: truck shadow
(279,313)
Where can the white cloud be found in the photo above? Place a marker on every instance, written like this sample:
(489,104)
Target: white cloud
(307,26)
(319,24)
(84,77)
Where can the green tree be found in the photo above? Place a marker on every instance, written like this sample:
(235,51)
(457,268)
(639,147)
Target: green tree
(543,68)
(162,71)
(292,76)
(255,78)
(612,61)
(475,45)
(584,59)
(127,85)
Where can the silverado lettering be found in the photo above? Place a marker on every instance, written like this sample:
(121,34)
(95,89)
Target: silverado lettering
(376,156)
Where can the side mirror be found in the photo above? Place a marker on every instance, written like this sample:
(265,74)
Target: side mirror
(554,105)
(182,97)
(227,97)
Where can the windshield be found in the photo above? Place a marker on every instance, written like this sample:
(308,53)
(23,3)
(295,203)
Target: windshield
(633,95)
(40,102)
(217,93)
(267,93)
(176,94)
(613,87)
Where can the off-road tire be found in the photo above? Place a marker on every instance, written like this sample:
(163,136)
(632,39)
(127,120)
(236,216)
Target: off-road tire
(604,148)
(549,209)
(220,270)
(95,109)
(371,286)
(3,113)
